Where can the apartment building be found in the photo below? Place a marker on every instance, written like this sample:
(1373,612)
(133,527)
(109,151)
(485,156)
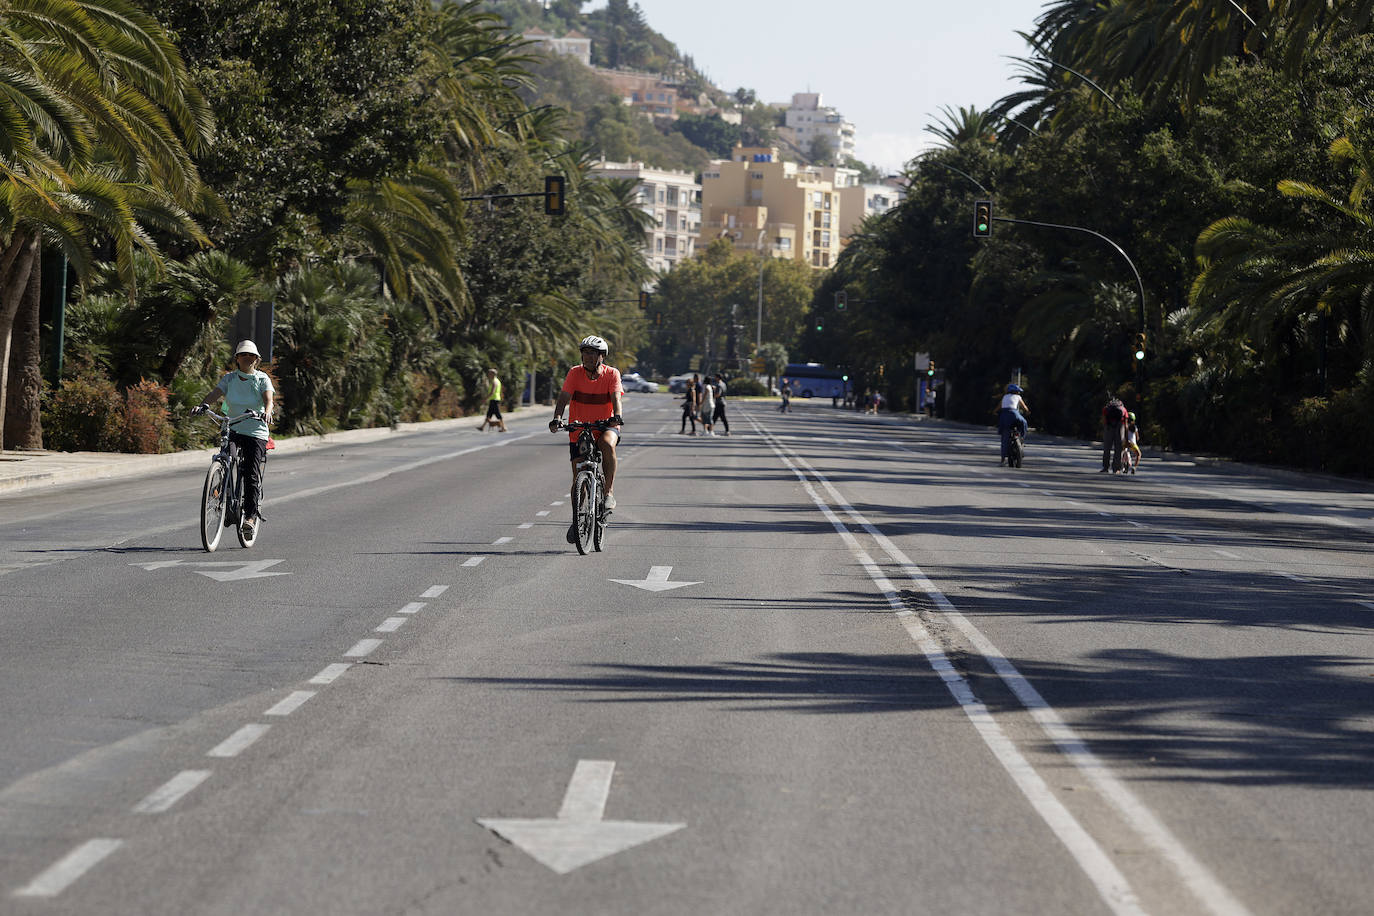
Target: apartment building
(770,206)
(808,118)
(859,201)
(673,199)
(573,44)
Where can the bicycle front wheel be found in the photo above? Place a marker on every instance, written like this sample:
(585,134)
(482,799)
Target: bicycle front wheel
(212,500)
(584,510)
(599,531)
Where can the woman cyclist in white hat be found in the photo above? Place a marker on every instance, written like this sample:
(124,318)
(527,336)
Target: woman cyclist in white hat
(247,388)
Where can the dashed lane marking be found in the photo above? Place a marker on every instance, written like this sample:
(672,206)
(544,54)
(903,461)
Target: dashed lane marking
(171,791)
(330,673)
(61,874)
(239,741)
(391,624)
(291,703)
(362,648)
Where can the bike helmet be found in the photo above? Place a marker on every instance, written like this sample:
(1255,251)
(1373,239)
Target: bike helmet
(592,342)
(1013,389)
(1131,417)
(247,346)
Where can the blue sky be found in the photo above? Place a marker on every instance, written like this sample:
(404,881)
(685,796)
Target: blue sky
(888,66)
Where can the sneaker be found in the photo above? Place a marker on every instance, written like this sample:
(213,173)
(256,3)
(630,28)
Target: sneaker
(248,530)
(572,533)
(610,500)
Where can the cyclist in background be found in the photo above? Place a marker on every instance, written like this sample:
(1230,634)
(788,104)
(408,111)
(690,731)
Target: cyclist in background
(592,392)
(246,388)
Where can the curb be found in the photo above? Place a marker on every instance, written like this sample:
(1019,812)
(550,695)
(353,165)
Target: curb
(93,466)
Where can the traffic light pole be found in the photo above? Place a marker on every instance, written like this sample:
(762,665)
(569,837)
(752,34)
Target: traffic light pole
(1140,284)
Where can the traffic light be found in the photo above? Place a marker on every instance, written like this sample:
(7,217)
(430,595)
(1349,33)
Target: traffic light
(820,323)
(643,301)
(1140,345)
(553,195)
(982,219)
(841,300)
(930,370)
(658,319)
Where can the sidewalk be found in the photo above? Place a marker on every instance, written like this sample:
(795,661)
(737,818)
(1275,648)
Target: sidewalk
(26,471)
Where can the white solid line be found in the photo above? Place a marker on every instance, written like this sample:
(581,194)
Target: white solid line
(1228,554)
(362,647)
(473,561)
(1136,524)
(526,525)
(1104,514)
(171,792)
(391,624)
(239,741)
(1368,604)
(434,591)
(1289,575)
(500,541)
(542,512)
(57,877)
(1174,537)
(328,674)
(412,607)
(291,703)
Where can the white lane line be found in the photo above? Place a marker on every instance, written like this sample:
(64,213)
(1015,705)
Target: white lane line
(239,741)
(1196,876)
(1289,575)
(499,541)
(57,877)
(412,607)
(1368,604)
(330,672)
(525,525)
(362,647)
(542,512)
(391,624)
(434,591)
(1136,524)
(291,703)
(556,502)
(1228,554)
(1104,514)
(1174,537)
(171,792)
(473,561)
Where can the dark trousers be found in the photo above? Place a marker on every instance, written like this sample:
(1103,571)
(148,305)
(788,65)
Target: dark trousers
(718,416)
(1113,441)
(252,460)
(688,413)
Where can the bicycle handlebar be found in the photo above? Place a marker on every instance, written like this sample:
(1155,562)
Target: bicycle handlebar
(225,418)
(584,424)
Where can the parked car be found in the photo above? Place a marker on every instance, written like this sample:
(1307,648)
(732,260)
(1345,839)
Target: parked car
(633,381)
(678,383)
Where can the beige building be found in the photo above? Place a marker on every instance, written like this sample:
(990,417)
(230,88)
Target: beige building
(673,199)
(809,119)
(860,201)
(779,208)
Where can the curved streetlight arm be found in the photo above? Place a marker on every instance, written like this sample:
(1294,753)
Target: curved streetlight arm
(1140,284)
(966,175)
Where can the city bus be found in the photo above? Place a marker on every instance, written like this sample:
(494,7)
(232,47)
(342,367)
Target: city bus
(813,380)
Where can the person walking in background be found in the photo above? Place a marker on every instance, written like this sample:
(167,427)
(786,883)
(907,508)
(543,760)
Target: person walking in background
(785,393)
(493,386)
(689,407)
(1113,434)
(718,415)
(708,408)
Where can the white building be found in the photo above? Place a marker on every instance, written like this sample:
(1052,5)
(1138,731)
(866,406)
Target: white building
(573,44)
(807,119)
(673,199)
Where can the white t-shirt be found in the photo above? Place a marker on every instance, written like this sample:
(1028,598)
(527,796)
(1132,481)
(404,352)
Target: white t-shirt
(1012,402)
(708,399)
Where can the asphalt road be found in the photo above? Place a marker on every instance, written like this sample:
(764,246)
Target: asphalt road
(829,664)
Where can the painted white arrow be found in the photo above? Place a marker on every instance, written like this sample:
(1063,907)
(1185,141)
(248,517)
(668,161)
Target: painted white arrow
(656,581)
(253,569)
(578,836)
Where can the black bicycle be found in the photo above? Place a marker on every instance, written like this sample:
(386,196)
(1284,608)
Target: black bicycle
(221,499)
(589,487)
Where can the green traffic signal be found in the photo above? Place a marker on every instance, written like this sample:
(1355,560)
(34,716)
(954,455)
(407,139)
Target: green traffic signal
(982,219)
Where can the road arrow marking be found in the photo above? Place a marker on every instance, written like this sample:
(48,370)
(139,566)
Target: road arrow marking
(656,581)
(578,836)
(253,569)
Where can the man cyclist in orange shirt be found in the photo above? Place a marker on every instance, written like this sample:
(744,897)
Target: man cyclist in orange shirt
(594,392)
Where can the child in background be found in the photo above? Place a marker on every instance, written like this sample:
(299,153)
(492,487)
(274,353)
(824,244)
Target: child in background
(1132,444)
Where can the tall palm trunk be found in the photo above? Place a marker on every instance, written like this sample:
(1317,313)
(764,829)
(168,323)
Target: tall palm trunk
(17,265)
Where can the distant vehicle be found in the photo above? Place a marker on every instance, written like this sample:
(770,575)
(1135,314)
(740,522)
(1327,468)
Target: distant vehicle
(633,381)
(678,383)
(813,380)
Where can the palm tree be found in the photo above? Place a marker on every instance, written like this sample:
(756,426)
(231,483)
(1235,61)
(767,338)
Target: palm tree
(100,122)
(969,124)
(1267,283)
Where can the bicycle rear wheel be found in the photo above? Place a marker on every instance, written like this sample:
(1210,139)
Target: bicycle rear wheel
(212,500)
(585,498)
